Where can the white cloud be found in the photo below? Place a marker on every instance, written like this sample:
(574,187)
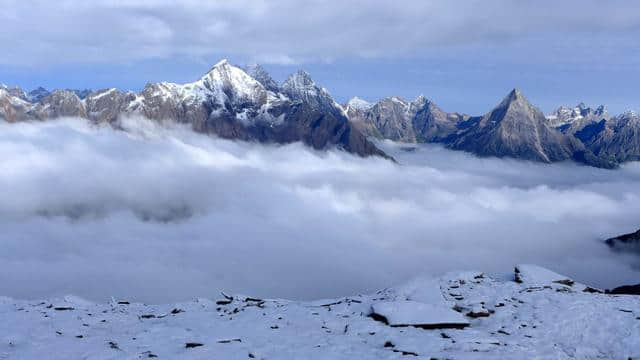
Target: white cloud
(161,214)
(291,31)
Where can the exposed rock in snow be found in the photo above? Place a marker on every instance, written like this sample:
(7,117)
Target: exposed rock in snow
(625,290)
(519,321)
(537,276)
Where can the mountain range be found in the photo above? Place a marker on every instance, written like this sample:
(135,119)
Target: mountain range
(247,104)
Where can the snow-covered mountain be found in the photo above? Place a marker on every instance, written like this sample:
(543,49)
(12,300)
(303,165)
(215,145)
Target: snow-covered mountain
(532,313)
(571,120)
(227,101)
(247,104)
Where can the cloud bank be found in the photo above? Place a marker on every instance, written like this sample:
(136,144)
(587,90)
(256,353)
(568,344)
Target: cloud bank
(289,31)
(161,214)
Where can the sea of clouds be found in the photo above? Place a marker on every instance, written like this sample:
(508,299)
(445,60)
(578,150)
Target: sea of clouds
(160,213)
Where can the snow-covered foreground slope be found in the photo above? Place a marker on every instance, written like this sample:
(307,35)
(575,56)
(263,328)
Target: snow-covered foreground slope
(461,315)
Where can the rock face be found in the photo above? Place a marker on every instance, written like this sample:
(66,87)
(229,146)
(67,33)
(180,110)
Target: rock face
(396,119)
(616,139)
(227,102)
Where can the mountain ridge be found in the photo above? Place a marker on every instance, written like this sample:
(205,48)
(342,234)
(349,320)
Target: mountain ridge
(247,104)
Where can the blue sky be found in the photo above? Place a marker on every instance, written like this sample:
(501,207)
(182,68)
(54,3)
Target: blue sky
(464,55)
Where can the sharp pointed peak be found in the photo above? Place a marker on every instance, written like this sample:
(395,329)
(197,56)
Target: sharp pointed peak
(222,62)
(299,80)
(514,95)
(301,75)
(221,66)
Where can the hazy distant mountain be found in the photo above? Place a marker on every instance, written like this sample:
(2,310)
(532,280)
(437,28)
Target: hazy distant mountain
(226,101)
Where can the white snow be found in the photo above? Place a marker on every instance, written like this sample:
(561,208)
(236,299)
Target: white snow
(506,320)
(413,313)
(97,96)
(359,104)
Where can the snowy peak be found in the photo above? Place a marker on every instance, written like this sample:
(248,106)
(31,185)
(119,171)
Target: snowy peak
(567,118)
(300,80)
(358,104)
(300,87)
(227,84)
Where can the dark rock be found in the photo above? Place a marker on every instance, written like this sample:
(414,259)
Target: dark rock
(626,290)
(228,341)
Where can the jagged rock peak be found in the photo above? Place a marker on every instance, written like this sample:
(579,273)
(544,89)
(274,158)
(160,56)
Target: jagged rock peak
(257,72)
(299,80)
(36,95)
(513,96)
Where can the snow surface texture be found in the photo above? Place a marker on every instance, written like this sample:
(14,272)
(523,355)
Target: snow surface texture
(534,318)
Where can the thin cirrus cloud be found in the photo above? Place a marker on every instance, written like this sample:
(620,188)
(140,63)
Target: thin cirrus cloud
(162,214)
(288,31)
